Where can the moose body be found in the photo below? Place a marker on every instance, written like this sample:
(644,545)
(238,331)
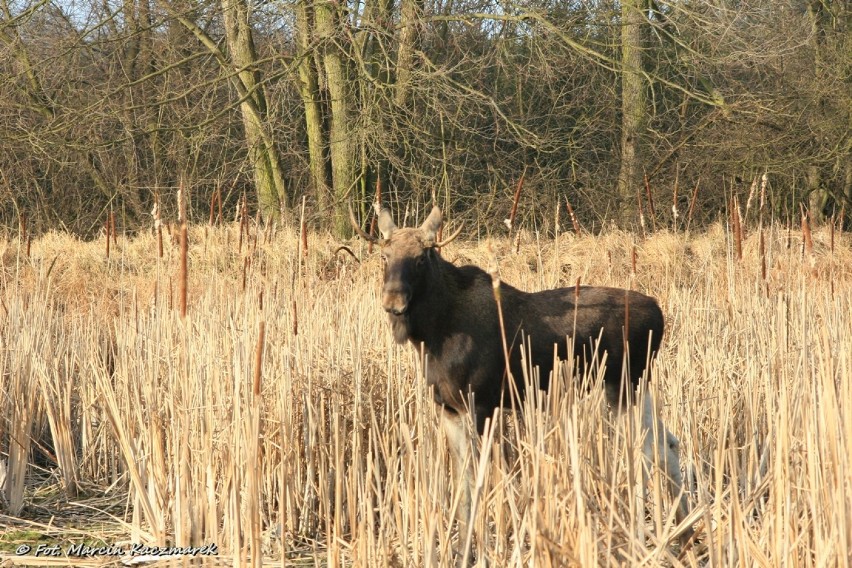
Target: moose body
(453,314)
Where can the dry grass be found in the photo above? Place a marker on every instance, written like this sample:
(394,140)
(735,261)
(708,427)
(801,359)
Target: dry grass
(163,430)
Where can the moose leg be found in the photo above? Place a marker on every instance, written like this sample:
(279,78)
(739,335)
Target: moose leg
(457,430)
(662,447)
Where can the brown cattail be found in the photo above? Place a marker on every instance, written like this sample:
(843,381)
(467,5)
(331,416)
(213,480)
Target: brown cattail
(258,358)
(762,257)
(212,207)
(219,202)
(112,226)
(303,232)
(574,222)
(241,215)
(159,241)
(633,267)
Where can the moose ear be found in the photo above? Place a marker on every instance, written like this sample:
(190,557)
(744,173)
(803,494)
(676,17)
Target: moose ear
(386,224)
(432,224)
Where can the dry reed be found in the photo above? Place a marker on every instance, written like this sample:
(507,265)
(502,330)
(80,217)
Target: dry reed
(229,427)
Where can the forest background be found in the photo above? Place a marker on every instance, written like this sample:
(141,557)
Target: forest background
(624,110)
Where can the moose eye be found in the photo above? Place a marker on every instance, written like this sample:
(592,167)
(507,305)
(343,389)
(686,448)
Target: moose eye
(420,261)
(384,260)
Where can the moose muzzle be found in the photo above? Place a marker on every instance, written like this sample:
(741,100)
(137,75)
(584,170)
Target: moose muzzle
(395,301)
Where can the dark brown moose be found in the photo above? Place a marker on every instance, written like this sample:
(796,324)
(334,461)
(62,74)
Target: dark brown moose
(452,312)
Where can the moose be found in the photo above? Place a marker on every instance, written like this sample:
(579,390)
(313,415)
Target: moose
(451,311)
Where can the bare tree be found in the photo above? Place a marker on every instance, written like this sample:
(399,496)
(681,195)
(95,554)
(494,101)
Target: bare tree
(110,105)
(268,178)
(633,111)
(310,92)
(331,32)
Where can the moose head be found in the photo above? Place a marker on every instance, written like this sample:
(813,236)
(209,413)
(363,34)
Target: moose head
(407,255)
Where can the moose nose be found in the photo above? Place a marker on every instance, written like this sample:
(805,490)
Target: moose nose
(395,303)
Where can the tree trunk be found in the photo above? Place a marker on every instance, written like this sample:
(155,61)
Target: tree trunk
(409,40)
(139,63)
(328,26)
(817,194)
(268,177)
(309,90)
(633,117)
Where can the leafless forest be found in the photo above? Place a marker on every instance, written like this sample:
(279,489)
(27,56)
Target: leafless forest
(111,106)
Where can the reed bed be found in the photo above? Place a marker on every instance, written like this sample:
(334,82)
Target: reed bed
(278,420)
